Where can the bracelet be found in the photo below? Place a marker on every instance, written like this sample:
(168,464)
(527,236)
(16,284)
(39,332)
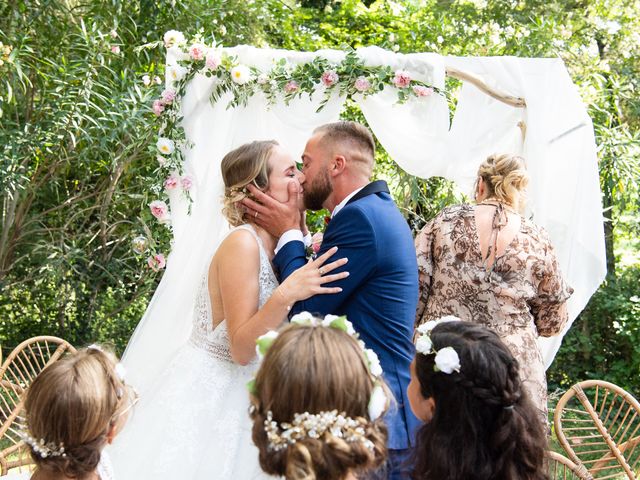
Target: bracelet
(279,290)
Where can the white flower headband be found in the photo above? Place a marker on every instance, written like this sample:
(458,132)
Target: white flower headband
(314,425)
(447,359)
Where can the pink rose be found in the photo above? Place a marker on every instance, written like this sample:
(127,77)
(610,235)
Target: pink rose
(168,96)
(171,182)
(362,84)
(115,49)
(316,241)
(197,51)
(186,182)
(421,91)
(213,59)
(291,86)
(329,78)
(160,210)
(158,107)
(156,262)
(402,79)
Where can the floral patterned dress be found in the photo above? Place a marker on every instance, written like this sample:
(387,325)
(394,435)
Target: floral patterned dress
(520,296)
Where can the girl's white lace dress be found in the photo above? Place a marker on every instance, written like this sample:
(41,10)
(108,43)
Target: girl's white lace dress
(194,423)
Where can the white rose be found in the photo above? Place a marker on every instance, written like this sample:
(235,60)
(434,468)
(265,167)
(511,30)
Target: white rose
(377,403)
(326,322)
(302,318)
(263,342)
(426,327)
(424,345)
(448,318)
(165,146)
(173,37)
(241,74)
(374,362)
(447,360)
(176,73)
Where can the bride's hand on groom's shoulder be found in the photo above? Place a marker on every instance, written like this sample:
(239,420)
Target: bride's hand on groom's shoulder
(309,280)
(274,216)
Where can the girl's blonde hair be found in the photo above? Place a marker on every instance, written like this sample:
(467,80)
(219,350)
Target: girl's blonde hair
(506,178)
(73,404)
(316,369)
(246,164)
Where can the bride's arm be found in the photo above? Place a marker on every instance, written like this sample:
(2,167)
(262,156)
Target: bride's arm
(238,268)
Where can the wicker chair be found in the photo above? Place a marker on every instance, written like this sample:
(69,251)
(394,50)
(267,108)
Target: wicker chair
(598,424)
(561,468)
(17,372)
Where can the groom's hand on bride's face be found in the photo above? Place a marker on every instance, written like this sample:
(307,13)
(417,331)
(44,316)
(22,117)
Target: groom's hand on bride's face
(274,216)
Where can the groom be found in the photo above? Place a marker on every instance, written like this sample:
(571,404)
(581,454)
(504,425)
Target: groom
(379,297)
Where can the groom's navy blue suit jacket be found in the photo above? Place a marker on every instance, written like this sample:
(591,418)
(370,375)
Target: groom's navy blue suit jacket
(380,294)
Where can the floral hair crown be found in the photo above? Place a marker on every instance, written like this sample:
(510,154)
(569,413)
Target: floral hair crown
(310,425)
(447,359)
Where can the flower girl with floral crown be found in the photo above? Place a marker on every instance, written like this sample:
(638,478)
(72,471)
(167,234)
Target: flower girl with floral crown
(317,402)
(479,422)
(74,408)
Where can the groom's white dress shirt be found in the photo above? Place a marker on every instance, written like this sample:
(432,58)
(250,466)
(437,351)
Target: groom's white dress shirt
(296,234)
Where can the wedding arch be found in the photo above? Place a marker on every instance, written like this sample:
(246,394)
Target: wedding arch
(218,98)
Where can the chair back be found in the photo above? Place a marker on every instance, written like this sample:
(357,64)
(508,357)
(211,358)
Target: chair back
(598,424)
(561,468)
(17,372)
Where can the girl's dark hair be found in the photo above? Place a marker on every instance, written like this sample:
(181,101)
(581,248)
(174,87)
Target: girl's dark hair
(484,425)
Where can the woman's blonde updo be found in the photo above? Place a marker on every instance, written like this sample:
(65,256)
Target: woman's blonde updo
(73,404)
(240,167)
(505,177)
(316,369)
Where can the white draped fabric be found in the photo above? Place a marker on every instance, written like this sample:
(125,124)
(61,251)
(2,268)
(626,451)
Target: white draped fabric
(559,147)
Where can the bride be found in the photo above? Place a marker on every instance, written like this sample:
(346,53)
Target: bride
(193,422)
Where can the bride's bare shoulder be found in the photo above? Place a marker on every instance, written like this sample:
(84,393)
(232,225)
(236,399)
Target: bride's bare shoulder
(240,245)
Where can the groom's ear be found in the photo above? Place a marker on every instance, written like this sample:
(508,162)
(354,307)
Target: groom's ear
(338,165)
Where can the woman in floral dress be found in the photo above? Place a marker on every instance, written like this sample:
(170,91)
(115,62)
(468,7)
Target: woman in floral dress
(486,263)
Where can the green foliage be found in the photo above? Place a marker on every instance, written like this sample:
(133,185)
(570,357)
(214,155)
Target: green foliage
(604,342)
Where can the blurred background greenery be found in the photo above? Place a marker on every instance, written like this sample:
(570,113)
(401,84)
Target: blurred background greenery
(76,170)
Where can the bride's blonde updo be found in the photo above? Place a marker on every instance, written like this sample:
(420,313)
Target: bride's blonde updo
(71,408)
(505,177)
(314,370)
(246,164)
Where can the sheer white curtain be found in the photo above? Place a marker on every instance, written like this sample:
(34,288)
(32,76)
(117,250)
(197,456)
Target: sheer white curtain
(559,147)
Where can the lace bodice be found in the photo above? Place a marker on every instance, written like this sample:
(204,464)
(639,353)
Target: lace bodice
(216,341)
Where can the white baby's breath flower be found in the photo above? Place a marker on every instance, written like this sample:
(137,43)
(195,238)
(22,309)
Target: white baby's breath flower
(173,37)
(374,362)
(302,318)
(377,403)
(447,361)
(165,146)
(424,345)
(241,74)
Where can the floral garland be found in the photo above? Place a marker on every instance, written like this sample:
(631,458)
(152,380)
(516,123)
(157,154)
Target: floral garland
(446,359)
(284,81)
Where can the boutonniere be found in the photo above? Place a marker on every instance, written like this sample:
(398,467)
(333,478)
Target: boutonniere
(316,243)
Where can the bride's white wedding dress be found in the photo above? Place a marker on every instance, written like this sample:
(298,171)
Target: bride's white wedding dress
(194,423)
